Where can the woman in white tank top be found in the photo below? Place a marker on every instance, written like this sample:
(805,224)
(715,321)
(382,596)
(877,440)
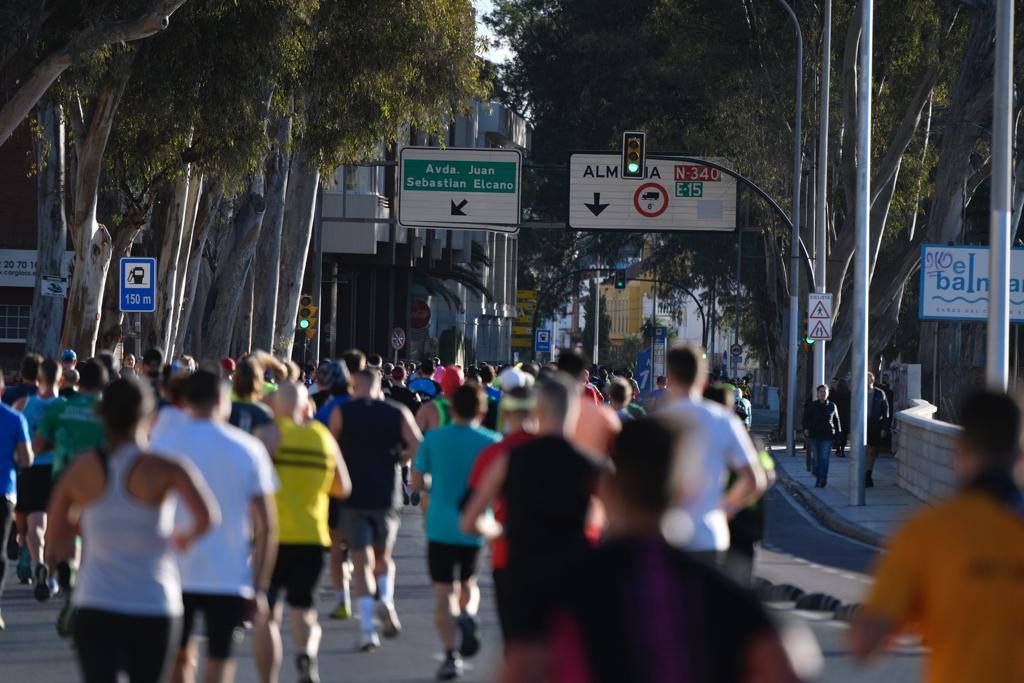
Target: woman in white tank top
(128,595)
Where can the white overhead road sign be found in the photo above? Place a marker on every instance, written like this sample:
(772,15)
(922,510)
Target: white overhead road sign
(819,316)
(459,188)
(672,196)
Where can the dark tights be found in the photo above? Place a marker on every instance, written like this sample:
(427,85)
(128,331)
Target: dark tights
(108,643)
(6,515)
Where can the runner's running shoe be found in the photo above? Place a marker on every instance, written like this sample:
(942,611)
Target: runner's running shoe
(451,669)
(308,670)
(66,619)
(12,543)
(388,616)
(469,627)
(24,565)
(44,584)
(342,611)
(369,641)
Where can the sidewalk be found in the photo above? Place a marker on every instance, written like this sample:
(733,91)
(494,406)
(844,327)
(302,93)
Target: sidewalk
(886,508)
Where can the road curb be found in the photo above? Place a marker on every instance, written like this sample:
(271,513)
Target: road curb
(824,514)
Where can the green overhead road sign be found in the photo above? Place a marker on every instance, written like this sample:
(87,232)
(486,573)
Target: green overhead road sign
(469,189)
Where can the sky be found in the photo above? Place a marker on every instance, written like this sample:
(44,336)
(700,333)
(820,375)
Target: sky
(501,54)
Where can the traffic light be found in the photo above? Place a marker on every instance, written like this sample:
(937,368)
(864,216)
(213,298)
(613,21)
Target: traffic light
(633,154)
(307,317)
(620,279)
(808,341)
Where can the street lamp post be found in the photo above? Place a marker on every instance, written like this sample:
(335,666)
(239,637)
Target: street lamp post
(794,259)
(859,347)
(821,213)
(997,362)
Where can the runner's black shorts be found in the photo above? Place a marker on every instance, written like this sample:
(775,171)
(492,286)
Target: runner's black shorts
(296,572)
(34,486)
(223,615)
(444,558)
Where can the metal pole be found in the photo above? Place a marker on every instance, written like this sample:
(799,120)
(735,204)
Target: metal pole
(735,360)
(859,365)
(794,239)
(318,277)
(597,310)
(998,358)
(821,206)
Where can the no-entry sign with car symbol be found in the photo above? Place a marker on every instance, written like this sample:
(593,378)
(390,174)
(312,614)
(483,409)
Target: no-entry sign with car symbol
(398,339)
(650,200)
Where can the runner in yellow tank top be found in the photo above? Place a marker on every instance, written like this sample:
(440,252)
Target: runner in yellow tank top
(310,468)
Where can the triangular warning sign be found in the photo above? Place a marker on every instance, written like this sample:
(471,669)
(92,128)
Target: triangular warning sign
(819,331)
(819,312)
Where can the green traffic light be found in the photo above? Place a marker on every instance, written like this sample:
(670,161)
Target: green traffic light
(303,324)
(633,168)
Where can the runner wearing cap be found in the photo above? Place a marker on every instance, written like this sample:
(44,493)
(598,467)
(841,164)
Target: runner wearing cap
(438,412)
(227,368)
(68,359)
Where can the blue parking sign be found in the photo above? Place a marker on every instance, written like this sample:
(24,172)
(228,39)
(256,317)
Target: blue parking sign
(542,341)
(138,284)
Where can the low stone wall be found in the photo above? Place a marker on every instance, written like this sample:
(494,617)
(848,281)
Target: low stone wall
(924,452)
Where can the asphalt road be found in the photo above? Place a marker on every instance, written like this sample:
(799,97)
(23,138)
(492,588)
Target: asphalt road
(796,551)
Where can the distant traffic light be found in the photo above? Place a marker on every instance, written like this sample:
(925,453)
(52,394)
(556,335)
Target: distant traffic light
(307,317)
(620,279)
(634,155)
(808,340)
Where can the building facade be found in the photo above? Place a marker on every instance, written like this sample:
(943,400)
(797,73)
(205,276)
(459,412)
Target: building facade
(451,291)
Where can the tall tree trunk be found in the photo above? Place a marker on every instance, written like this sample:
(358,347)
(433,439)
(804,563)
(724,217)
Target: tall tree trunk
(184,256)
(92,241)
(167,269)
(241,342)
(52,230)
(193,342)
(207,215)
(296,231)
(232,263)
(267,266)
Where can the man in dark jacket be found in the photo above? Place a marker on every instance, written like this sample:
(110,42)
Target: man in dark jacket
(821,422)
(879,421)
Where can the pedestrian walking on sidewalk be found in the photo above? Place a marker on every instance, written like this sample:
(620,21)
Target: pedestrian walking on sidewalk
(954,571)
(879,423)
(128,595)
(840,393)
(821,424)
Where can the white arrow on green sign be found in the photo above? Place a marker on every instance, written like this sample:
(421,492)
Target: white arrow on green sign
(459,188)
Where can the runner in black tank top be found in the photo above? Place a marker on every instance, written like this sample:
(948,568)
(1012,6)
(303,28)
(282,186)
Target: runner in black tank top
(376,438)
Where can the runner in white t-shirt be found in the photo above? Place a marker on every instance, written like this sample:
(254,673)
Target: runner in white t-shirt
(701,522)
(225,575)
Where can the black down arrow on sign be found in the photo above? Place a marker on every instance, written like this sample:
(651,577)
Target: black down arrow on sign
(457,208)
(597,207)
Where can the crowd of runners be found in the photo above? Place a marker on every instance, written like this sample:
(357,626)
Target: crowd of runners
(621,528)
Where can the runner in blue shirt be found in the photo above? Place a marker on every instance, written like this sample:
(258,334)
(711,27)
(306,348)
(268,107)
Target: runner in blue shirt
(15,452)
